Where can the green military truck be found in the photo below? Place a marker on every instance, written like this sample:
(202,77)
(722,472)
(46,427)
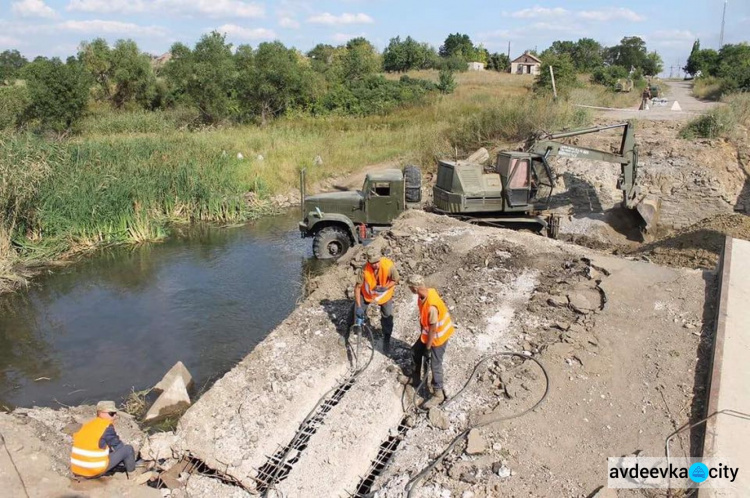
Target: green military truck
(338,220)
(515,192)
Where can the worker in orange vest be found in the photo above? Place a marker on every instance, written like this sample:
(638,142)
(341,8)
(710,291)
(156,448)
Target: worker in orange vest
(436,328)
(96,447)
(376,284)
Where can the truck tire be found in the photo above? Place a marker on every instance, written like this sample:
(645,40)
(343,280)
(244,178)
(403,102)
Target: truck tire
(331,243)
(413,184)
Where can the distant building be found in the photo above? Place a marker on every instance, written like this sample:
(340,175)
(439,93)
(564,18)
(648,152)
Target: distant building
(476,66)
(526,64)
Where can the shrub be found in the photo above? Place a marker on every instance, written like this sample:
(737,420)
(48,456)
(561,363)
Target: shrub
(58,93)
(13,103)
(608,76)
(447,83)
(721,121)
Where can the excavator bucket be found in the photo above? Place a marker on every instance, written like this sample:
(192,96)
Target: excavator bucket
(648,208)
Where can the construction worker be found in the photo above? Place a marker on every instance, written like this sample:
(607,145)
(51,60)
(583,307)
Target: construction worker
(436,328)
(376,284)
(96,447)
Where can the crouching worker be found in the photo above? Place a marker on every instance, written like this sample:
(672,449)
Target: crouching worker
(437,327)
(375,284)
(96,447)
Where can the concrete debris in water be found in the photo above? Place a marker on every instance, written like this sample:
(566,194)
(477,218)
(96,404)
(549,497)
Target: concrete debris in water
(174,398)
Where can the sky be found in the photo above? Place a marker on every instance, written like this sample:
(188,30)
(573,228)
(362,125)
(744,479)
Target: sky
(56,27)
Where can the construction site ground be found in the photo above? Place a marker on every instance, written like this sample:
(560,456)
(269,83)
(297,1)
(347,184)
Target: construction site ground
(624,329)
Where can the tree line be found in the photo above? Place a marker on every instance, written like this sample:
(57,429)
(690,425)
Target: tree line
(223,83)
(730,65)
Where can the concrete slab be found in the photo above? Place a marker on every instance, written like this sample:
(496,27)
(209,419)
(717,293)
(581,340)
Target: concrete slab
(727,436)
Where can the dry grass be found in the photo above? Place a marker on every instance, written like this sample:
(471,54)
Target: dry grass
(707,88)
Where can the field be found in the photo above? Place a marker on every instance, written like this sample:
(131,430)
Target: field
(127,175)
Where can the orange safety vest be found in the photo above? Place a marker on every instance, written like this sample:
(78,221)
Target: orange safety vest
(444,326)
(371,282)
(86,458)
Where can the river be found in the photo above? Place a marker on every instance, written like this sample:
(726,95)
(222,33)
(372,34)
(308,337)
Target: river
(120,319)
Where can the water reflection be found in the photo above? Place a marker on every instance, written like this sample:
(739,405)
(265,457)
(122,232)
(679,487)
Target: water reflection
(121,319)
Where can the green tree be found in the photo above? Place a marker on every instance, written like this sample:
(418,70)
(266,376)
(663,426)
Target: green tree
(498,62)
(407,55)
(96,58)
(704,60)
(205,76)
(458,45)
(588,54)
(446,83)
(321,57)
(357,60)
(630,53)
(652,65)
(271,80)
(11,62)
(132,75)
(564,70)
(58,93)
(734,67)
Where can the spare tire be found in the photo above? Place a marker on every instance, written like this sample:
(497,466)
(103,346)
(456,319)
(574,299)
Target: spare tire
(413,184)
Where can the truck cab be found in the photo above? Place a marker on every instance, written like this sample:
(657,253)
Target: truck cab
(338,220)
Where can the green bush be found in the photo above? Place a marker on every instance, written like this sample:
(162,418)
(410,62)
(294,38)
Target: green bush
(58,93)
(373,95)
(13,102)
(608,76)
(721,121)
(447,83)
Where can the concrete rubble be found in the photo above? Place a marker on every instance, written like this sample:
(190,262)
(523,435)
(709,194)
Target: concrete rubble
(174,398)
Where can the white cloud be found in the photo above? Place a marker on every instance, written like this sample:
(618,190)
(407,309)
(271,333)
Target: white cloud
(9,41)
(247,33)
(209,8)
(33,8)
(673,34)
(535,12)
(344,37)
(610,14)
(288,22)
(330,19)
(100,27)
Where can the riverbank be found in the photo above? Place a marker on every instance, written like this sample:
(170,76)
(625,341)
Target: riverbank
(128,176)
(569,307)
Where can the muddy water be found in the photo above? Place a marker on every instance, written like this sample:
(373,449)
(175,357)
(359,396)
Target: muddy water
(121,319)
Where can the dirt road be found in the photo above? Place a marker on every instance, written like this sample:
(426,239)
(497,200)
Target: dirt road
(677,91)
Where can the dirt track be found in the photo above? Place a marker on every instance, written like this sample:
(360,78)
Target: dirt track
(677,91)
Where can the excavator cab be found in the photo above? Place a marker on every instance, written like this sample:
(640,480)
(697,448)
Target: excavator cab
(527,180)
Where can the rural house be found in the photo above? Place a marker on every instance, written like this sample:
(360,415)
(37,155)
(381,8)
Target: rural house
(526,64)
(476,66)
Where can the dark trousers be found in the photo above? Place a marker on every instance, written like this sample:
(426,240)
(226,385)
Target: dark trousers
(418,350)
(125,455)
(386,315)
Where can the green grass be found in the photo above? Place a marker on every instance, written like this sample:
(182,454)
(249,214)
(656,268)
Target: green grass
(708,88)
(128,175)
(725,121)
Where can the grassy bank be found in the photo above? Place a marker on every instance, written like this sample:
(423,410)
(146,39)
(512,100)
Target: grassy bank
(726,121)
(128,175)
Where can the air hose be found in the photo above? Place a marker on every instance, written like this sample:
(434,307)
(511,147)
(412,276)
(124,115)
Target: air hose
(412,484)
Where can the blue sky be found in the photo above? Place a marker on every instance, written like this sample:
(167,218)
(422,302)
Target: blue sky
(56,27)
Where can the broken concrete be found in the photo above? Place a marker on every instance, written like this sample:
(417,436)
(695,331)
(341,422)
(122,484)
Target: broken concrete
(173,401)
(177,371)
(475,444)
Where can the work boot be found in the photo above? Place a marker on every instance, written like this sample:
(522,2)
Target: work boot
(386,345)
(434,400)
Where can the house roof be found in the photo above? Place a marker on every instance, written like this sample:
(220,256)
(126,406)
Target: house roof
(527,57)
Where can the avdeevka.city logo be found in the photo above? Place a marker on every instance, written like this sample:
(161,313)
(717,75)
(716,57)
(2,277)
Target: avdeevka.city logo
(698,472)
(659,472)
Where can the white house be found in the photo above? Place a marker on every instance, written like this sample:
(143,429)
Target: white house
(476,66)
(526,64)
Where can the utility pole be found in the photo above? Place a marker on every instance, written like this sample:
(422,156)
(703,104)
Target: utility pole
(508,49)
(723,23)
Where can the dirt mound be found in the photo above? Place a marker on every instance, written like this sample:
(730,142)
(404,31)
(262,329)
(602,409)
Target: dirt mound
(697,246)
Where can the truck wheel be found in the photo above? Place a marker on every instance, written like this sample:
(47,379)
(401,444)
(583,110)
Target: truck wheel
(413,184)
(331,243)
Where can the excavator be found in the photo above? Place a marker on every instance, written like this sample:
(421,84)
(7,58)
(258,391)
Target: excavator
(518,188)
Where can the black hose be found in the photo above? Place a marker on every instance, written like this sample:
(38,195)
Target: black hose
(357,373)
(490,420)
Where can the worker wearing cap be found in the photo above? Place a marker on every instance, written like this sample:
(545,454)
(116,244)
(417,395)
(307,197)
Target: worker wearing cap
(436,328)
(96,447)
(376,284)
